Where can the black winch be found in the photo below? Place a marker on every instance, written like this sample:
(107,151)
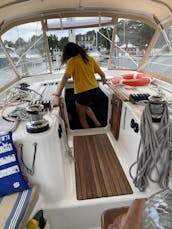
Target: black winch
(156,104)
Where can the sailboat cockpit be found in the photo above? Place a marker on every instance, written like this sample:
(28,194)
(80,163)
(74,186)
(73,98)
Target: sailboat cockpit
(72,175)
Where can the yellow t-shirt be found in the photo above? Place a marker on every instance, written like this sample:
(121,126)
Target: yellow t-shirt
(82,73)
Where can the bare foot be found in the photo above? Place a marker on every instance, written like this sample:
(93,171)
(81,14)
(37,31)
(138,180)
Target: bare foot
(97,124)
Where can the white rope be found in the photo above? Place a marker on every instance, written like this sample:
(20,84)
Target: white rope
(155,151)
(14,97)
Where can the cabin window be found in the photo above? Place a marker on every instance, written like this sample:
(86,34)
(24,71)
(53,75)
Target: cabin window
(92,33)
(27,43)
(130,43)
(160,59)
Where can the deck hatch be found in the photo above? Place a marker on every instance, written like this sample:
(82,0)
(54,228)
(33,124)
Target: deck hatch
(98,171)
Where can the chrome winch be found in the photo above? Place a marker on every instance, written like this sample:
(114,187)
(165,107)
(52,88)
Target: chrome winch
(36,123)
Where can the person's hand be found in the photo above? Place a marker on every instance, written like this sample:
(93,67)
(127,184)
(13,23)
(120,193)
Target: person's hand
(108,82)
(132,219)
(104,81)
(117,222)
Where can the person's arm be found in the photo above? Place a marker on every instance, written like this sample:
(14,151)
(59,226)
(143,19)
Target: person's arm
(68,73)
(98,70)
(61,85)
(102,75)
(132,219)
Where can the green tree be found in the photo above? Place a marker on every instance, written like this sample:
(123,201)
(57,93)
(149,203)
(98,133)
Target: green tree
(9,44)
(62,42)
(145,33)
(37,44)
(102,40)
(135,32)
(20,42)
(20,46)
(53,42)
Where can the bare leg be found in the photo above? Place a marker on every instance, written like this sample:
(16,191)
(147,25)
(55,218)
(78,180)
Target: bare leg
(81,110)
(91,114)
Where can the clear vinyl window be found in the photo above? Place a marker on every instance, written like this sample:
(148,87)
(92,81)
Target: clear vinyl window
(131,41)
(160,58)
(27,48)
(92,33)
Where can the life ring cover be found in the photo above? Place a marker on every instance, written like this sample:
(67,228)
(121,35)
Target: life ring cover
(139,79)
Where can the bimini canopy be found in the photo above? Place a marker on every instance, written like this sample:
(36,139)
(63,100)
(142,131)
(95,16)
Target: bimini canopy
(12,11)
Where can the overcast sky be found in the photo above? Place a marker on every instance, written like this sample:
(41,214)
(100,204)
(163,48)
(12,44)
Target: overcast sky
(26,31)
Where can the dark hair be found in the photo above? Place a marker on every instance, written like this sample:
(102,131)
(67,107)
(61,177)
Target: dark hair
(70,50)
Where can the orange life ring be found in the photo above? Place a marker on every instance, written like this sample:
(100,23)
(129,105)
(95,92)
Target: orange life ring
(138,79)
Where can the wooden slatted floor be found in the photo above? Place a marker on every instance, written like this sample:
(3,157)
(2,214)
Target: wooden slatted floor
(98,171)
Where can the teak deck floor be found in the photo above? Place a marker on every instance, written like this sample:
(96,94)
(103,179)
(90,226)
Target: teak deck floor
(98,171)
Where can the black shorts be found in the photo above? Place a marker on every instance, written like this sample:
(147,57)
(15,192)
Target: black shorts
(89,97)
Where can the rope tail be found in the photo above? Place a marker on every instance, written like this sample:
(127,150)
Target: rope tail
(154,155)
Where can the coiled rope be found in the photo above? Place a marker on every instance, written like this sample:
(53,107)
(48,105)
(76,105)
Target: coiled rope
(15,97)
(155,151)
